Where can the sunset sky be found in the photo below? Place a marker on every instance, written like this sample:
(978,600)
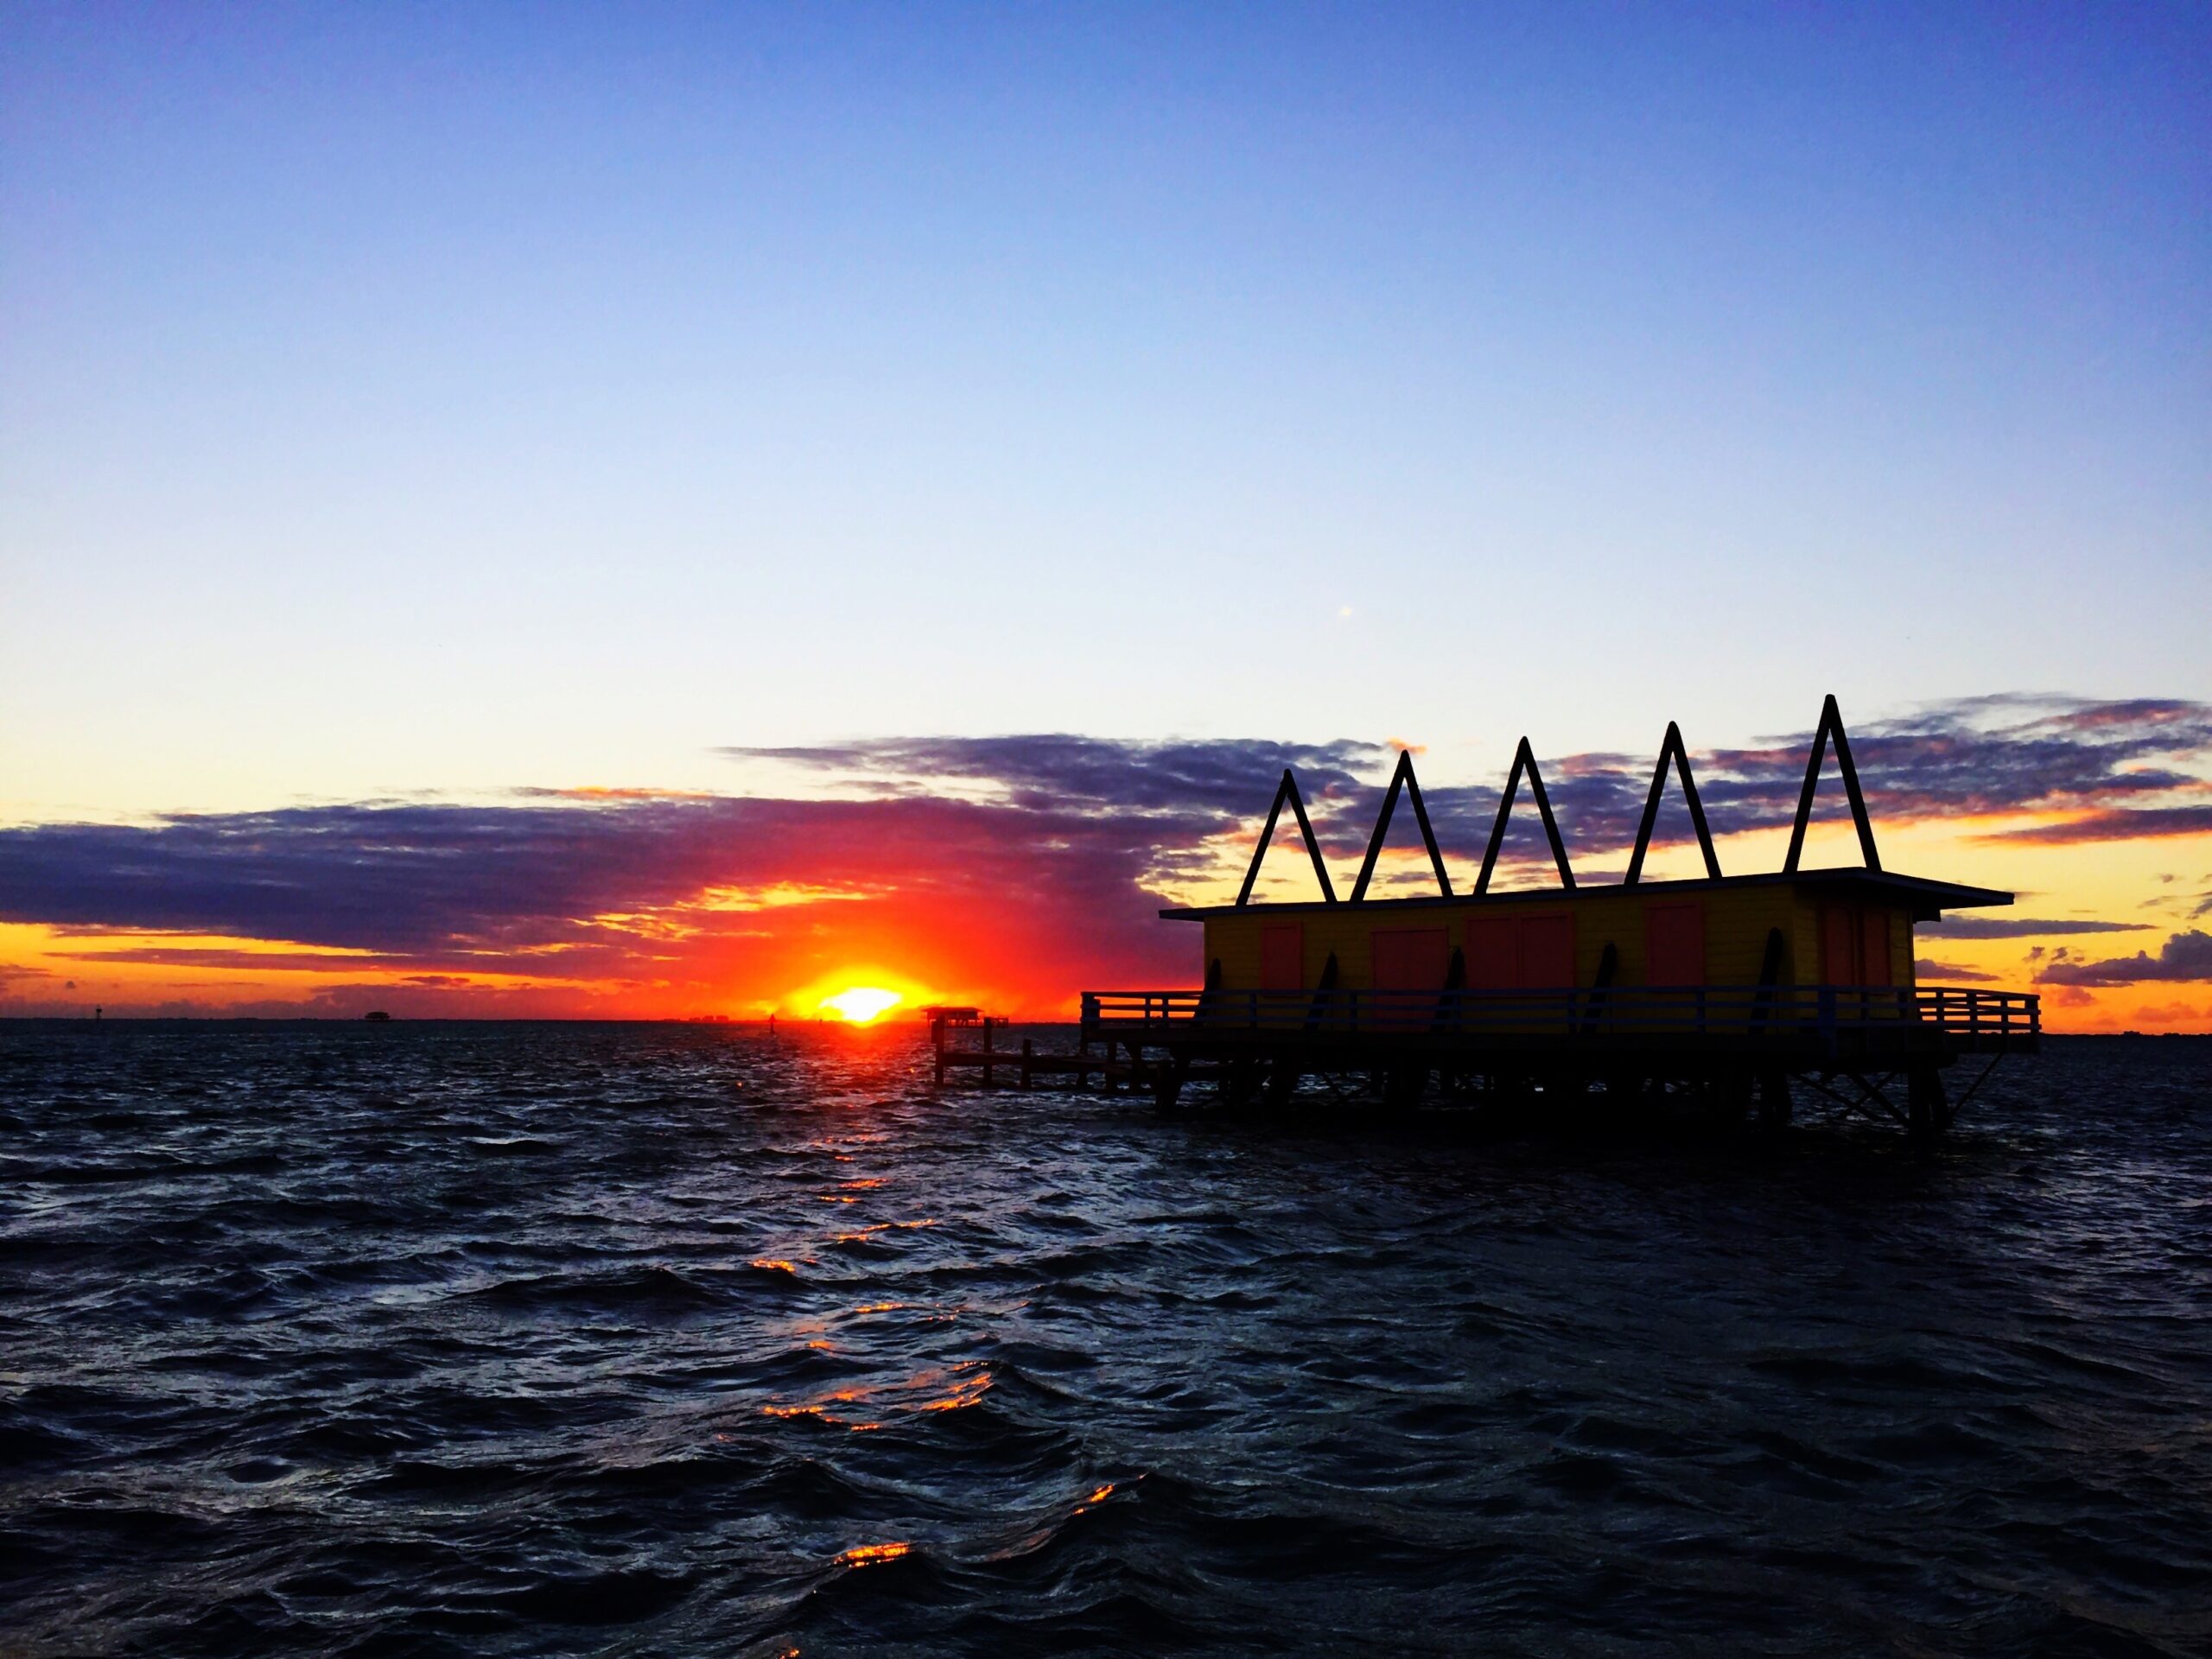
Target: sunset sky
(666,510)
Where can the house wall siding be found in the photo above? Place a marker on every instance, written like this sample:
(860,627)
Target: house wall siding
(1737,921)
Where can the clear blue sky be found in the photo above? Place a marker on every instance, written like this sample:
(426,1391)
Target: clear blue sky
(453,399)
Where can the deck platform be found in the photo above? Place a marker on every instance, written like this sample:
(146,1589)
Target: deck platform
(1736,1045)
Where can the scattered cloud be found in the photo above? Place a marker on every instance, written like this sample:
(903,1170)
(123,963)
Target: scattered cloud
(1929,968)
(2110,823)
(266,961)
(2017,927)
(1185,781)
(2101,771)
(2185,957)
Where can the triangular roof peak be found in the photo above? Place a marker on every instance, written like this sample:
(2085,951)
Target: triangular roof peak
(1524,758)
(1401,778)
(1670,746)
(1831,724)
(1287,791)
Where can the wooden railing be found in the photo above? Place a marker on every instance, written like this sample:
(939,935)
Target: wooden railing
(1730,1011)
(1983,1013)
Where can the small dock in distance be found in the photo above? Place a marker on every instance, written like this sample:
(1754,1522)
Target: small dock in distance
(967,1049)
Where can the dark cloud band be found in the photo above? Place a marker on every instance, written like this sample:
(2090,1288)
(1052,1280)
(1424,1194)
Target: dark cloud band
(1054,831)
(2018,927)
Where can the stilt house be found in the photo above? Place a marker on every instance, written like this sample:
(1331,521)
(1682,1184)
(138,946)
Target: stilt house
(1764,975)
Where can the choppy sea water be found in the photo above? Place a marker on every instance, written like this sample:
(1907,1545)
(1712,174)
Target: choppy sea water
(325,1339)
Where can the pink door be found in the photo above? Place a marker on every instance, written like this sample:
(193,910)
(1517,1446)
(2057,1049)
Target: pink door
(1673,943)
(1547,952)
(1493,955)
(1839,946)
(1282,957)
(1874,947)
(1409,959)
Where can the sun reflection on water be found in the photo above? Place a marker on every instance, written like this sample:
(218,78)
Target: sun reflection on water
(862,1409)
(862,1554)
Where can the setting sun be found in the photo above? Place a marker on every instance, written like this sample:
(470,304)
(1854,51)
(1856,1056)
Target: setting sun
(862,1004)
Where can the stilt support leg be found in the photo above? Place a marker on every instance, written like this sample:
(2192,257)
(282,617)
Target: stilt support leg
(1167,1083)
(1926,1111)
(1402,1086)
(1240,1082)
(1774,1107)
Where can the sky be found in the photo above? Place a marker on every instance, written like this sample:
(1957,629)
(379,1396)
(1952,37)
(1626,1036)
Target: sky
(750,497)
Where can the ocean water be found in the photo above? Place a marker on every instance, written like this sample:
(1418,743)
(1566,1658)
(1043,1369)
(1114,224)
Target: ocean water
(540,1338)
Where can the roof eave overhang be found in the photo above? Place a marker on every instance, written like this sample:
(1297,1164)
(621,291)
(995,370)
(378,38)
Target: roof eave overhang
(1929,899)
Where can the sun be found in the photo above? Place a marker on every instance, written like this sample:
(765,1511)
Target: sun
(861,1005)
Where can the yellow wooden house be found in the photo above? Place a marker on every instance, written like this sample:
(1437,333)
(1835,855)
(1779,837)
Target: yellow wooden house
(1848,927)
(1799,971)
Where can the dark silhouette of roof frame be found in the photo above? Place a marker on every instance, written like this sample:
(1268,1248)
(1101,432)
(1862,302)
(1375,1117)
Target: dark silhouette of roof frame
(1401,778)
(1524,758)
(1287,791)
(1671,745)
(1831,722)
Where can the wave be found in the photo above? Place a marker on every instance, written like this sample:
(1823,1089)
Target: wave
(648,1339)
